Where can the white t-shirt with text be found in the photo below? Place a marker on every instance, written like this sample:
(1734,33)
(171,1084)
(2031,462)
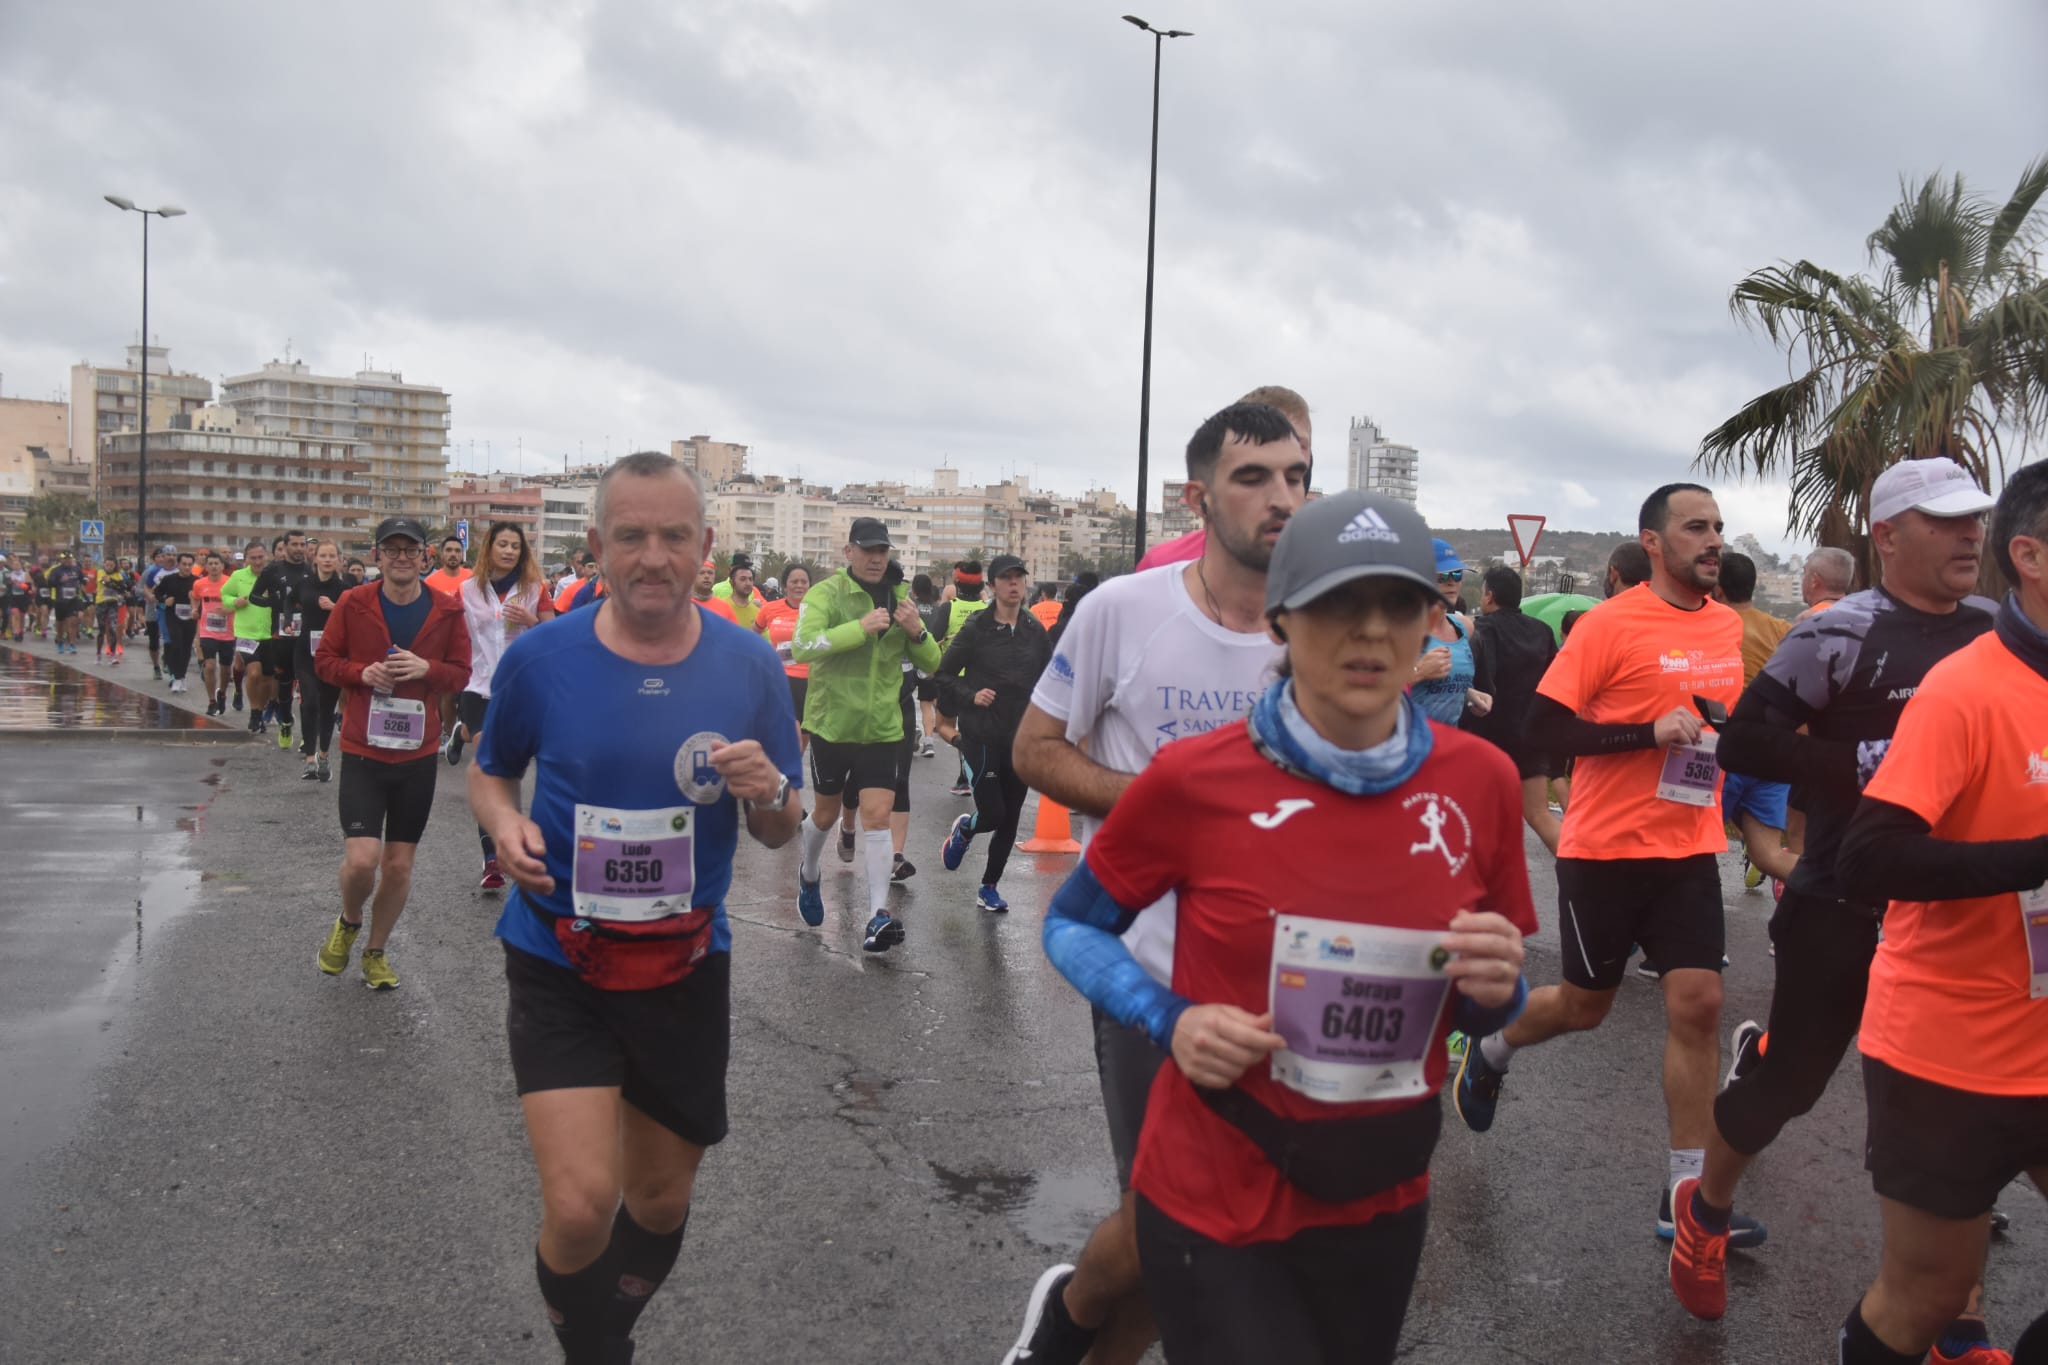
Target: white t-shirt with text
(1138,667)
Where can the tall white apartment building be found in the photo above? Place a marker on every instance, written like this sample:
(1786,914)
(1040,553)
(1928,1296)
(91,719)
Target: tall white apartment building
(400,428)
(104,400)
(1377,465)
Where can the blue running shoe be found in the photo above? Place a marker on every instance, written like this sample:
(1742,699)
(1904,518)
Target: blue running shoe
(954,851)
(1478,1089)
(988,898)
(883,934)
(810,901)
(1744,1232)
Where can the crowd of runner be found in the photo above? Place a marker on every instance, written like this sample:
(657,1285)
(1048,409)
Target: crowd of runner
(1295,686)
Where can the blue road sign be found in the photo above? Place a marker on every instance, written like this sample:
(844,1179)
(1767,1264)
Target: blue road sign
(92,532)
(462,534)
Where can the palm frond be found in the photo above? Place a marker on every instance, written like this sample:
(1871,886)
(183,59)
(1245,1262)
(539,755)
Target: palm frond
(1937,225)
(2009,225)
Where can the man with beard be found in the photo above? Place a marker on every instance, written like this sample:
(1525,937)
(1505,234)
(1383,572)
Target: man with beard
(1147,659)
(1636,864)
(857,629)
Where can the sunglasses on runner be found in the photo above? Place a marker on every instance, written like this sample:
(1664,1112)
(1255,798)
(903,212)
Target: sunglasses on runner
(1454,576)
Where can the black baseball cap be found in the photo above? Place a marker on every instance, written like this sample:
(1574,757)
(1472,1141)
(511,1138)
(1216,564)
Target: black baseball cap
(400,526)
(1003,564)
(869,534)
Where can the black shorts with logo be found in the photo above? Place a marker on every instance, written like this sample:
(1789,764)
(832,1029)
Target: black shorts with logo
(279,658)
(1671,907)
(836,766)
(665,1048)
(1945,1151)
(388,801)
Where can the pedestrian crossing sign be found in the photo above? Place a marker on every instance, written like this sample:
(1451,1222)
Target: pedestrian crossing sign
(92,532)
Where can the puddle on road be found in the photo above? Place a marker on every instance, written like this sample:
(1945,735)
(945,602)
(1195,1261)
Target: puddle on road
(1054,1209)
(42,694)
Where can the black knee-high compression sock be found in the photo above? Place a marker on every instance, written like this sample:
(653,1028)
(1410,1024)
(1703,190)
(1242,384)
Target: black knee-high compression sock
(638,1261)
(577,1304)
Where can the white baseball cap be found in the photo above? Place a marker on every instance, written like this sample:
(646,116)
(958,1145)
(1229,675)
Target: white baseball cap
(1939,487)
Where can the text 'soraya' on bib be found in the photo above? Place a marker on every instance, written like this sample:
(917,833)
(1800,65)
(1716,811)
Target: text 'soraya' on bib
(1358,1006)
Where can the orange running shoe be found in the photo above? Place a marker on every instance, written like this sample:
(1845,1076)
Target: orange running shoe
(1976,1355)
(1699,1258)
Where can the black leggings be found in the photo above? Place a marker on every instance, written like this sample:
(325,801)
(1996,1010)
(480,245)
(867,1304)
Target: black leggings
(469,712)
(318,706)
(998,801)
(1325,1296)
(1824,951)
(178,646)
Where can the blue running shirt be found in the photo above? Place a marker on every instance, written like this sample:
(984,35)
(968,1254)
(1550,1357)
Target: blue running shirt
(605,731)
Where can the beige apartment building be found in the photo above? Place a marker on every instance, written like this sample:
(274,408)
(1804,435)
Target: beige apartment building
(716,462)
(505,497)
(215,482)
(31,431)
(755,518)
(105,399)
(400,429)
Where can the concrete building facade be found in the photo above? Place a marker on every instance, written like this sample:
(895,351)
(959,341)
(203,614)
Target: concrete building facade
(30,430)
(716,462)
(1377,465)
(503,498)
(400,428)
(214,482)
(105,399)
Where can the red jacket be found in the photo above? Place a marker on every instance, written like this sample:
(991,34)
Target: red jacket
(357,637)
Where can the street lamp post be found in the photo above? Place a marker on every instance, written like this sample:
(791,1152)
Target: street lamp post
(1159,37)
(142,386)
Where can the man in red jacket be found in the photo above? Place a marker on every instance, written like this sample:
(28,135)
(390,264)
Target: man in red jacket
(393,648)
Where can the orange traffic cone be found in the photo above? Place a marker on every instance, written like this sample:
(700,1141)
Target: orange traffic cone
(1052,833)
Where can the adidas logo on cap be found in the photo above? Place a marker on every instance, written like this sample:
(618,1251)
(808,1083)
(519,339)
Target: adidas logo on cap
(1368,525)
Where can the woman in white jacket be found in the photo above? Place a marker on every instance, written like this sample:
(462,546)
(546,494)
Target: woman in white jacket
(506,595)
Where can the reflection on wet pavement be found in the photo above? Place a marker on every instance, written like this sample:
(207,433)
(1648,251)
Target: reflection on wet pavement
(40,694)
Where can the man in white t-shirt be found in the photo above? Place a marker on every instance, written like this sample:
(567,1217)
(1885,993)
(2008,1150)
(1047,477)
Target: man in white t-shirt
(1148,659)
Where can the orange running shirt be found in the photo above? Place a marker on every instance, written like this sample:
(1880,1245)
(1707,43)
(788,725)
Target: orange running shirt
(1761,635)
(718,606)
(1950,990)
(1628,661)
(446,583)
(777,621)
(1048,613)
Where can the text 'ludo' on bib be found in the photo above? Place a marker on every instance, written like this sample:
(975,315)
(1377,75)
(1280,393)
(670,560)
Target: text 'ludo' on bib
(634,865)
(1358,1006)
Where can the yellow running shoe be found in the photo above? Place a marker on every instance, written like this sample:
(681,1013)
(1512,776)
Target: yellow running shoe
(340,941)
(377,973)
(1752,875)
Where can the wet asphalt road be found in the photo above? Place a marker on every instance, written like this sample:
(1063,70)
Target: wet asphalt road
(210,1152)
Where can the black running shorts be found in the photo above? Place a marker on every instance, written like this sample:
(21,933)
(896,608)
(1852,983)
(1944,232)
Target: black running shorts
(1671,907)
(220,651)
(835,766)
(799,688)
(665,1048)
(388,801)
(1944,1151)
(279,658)
(1125,1061)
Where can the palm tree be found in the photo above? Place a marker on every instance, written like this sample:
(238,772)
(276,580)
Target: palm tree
(1943,352)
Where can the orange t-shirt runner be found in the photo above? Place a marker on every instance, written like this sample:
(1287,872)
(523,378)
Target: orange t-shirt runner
(1048,613)
(448,583)
(1951,990)
(777,621)
(1630,660)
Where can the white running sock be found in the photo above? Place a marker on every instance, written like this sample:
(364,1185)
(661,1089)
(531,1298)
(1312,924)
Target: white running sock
(813,851)
(1497,1050)
(1686,1163)
(875,844)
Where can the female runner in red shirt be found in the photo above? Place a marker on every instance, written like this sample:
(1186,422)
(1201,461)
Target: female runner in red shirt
(1350,887)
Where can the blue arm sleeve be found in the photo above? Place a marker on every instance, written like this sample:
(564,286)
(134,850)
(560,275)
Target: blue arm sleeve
(1477,1021)
(1082,937)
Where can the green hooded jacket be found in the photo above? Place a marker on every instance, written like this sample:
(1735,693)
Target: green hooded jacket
(856,688)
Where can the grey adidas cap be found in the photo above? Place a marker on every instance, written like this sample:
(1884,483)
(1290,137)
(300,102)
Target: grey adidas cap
(1348,535)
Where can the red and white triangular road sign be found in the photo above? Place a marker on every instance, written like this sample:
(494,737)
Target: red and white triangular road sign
(1527,531)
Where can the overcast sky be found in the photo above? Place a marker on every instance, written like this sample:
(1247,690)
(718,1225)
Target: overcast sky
(865,238)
